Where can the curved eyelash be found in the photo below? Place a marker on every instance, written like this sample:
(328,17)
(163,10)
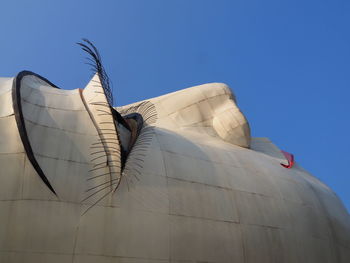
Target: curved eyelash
(95,62)
(135,158)
(101,149)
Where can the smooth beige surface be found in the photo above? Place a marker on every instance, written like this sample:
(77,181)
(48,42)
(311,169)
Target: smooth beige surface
(205,192)
(5,97)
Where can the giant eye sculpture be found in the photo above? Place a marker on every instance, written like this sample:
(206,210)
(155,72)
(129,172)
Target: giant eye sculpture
(110,135)
(177,178)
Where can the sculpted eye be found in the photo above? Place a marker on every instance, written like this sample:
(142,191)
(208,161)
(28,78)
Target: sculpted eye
(78,145)
(122,135)
(128,128)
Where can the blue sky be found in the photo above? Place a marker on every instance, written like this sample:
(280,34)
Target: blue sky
(287,61)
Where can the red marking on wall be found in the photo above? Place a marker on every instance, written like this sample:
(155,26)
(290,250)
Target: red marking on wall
(290,159)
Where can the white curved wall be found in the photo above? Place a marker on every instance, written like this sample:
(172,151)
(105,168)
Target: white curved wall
(199,197)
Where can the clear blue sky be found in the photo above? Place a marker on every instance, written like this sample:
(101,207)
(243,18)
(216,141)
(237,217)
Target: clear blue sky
(287,61)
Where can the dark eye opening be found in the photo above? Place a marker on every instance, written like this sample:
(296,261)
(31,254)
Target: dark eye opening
(129,128)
